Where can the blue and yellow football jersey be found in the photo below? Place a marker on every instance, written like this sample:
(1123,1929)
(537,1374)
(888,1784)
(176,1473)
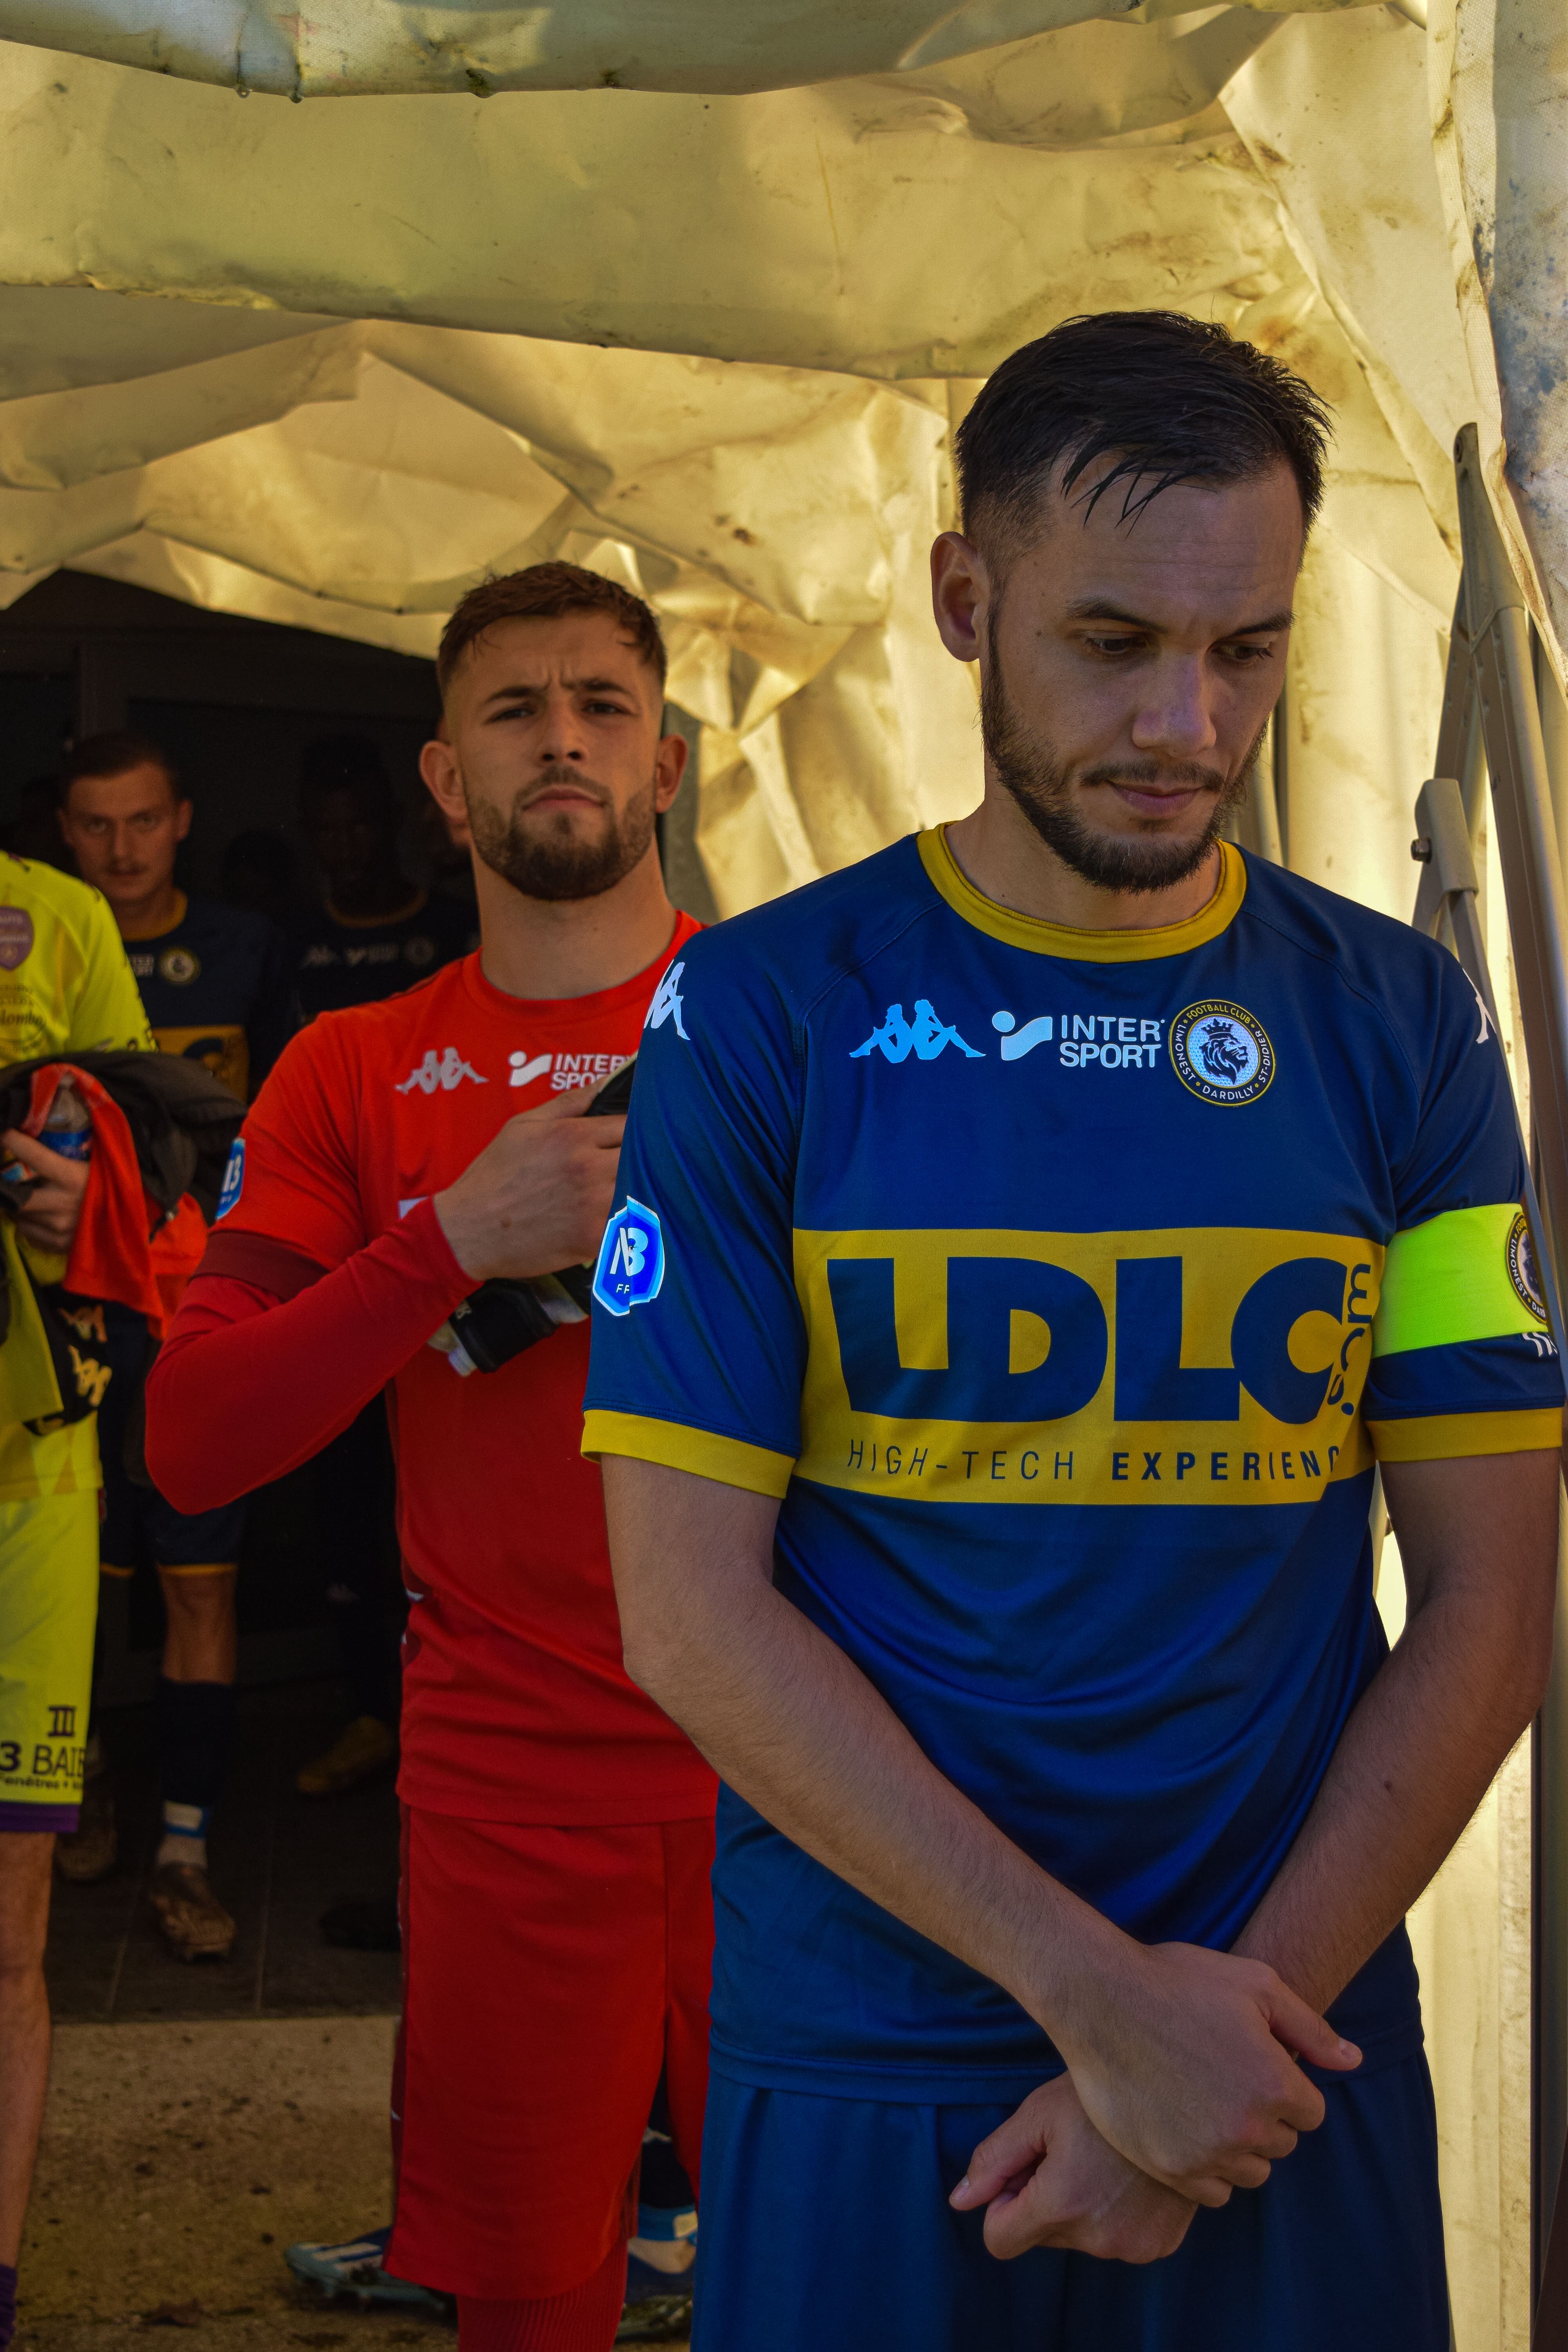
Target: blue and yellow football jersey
(1065,1285)
(218,990)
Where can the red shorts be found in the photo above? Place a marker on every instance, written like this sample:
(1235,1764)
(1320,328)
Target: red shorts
(549,1976)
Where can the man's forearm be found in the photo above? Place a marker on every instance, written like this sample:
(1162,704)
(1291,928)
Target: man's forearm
(244,1390)
(794,1726)
(1423,1745)
(1179,2055)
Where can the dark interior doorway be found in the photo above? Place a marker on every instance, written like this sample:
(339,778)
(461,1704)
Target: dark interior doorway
(234,702)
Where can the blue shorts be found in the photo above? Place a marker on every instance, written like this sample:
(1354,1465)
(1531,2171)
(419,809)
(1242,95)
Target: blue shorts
(826,2224)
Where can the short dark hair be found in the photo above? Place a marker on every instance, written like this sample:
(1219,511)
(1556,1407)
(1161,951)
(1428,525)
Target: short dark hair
(345,763)
(110,754)
(1170,399)
(544,593)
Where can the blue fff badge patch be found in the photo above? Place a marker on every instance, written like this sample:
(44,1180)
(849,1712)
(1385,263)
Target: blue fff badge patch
(233,1178)
(631,1260)
(1221,1052)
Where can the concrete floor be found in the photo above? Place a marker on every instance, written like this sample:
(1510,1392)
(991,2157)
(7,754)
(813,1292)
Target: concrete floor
(177,2162)
(278,1859)
(179,2159)
(201,2119)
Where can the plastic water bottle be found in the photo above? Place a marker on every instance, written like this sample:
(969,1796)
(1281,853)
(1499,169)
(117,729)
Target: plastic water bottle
(69,1127)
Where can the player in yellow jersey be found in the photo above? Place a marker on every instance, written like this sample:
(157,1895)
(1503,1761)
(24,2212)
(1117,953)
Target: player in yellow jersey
(66,987)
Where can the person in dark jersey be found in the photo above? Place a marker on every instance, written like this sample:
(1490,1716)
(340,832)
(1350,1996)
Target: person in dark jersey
(259,872)
(558,1829)
(216,986)
(373,934)
(1029,1241)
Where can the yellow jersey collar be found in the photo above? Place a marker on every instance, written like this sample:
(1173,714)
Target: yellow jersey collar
(999,922)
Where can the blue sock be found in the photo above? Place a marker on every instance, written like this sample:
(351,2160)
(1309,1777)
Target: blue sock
(666,2224)
(7,2304)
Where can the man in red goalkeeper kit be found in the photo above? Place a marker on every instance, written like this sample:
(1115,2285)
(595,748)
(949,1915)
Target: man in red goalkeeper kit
(558,1829)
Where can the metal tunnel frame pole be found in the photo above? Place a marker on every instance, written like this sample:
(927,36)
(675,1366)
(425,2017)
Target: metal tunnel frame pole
(1491,702)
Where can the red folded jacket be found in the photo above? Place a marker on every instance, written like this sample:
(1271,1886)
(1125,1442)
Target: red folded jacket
(125,1249)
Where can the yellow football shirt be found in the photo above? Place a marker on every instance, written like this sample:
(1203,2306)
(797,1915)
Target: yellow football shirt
(66,987)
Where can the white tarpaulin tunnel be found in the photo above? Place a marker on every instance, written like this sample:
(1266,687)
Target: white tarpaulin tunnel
(694,292)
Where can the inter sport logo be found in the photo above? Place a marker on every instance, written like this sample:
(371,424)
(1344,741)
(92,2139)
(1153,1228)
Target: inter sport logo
(564,1071)
(1221,1052)
(1115,1041)
(1016,1042)
(925,1037)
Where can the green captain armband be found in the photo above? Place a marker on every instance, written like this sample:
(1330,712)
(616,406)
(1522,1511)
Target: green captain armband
(1467,1274)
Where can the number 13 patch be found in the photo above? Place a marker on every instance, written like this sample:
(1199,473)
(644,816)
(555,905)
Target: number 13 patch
(631,1260)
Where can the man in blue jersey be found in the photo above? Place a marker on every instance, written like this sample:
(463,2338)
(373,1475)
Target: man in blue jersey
(1030,1240)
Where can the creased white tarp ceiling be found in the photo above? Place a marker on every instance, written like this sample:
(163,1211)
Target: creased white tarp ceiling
(347,47)
(693,290)
(727,333)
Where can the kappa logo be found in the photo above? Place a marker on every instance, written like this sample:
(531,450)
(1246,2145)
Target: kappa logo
(448,1072)
(668,1002)
(91,1377)
(1221,1052)
(631,1260)
(925,1037)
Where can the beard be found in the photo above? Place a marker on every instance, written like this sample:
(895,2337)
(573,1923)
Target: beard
(1041,785)
(548,860)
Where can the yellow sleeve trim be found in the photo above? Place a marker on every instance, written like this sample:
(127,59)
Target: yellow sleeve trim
(1467,1275)
(1448,1437)
(727,1459)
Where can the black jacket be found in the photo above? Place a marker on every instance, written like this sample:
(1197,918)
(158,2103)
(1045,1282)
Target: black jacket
(182,1120)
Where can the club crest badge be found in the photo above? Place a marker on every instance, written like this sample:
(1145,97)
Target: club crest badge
(1521,1268)
(15,937)
(1221,1052)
